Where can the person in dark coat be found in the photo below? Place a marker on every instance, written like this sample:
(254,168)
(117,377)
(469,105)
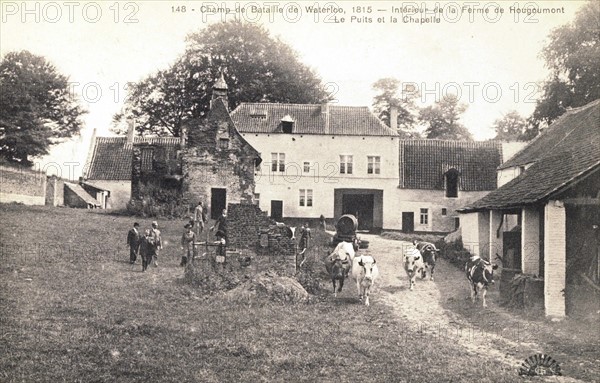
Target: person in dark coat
(221,224)
(133,241)
(147,249)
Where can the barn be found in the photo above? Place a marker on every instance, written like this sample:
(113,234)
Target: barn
(554,198)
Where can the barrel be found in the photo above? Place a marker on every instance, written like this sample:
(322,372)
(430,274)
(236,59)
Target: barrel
(347,225)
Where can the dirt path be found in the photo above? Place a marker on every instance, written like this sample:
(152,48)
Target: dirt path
(424,307)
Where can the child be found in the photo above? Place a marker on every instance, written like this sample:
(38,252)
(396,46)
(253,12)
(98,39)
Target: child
(187,244)
(147,249)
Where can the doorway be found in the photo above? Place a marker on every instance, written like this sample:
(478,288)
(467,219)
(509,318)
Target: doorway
(408,222)
(218,202)
(277,210)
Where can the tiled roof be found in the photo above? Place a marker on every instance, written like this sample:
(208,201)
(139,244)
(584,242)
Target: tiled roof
(309,119)
(110,158)
(572,150)
(81,193)
(423,164)
(555,137)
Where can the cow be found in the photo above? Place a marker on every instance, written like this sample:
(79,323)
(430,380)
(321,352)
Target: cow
(344,251)
(413,265)
(338,272)
(364,272)
(428,252)
(480,274)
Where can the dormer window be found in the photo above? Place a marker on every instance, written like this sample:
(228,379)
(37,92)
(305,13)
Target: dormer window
(287,124)
(258,115)
(452,177)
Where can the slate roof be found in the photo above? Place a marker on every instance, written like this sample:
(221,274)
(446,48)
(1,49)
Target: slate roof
(423,164)
(110,157)
(557,135)
(309,119)
(567,151)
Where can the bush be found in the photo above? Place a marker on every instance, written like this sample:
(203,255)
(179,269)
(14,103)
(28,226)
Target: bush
(153,208)
(454,252)
(398,236)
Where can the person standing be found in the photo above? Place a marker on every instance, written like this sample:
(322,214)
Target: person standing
(305,236)
(199,218)
(155,234)
(133,241)
(187,245)
(146,249)
(322,223)
(221,224)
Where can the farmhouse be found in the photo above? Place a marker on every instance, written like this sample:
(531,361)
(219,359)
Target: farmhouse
(334,160)
(554,194)
(324,159)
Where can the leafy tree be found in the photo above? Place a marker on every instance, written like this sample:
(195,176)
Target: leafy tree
(572,56)
(442,120)
(36,109)
(388,97)
(257,68)
(511,127)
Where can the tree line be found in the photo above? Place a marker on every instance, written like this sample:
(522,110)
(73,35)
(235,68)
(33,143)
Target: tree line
(38,111)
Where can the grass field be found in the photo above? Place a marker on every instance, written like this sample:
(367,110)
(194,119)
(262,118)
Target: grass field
(72,309)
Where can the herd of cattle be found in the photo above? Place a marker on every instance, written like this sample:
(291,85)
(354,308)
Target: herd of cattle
(417,259)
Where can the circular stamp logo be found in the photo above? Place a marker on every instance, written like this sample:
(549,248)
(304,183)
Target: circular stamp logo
(540,365)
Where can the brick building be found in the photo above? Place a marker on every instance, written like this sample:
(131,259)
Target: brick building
(555,196)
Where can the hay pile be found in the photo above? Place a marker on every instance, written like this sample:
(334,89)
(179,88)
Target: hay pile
(269,286)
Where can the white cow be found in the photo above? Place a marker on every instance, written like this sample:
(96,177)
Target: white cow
(364,272)
(413,264)
(343,251)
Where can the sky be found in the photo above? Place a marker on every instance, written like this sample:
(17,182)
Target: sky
(486,52)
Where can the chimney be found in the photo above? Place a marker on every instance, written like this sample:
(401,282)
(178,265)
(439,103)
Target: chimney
(130,131)
(325,113)
(394,118)
(220,91)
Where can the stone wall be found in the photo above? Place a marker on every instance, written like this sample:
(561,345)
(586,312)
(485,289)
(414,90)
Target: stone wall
(19,184)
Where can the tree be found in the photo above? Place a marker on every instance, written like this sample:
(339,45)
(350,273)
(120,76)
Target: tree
(257,68)
(572,56)
(36,109)
(388,97)
(511,127)
(442,119)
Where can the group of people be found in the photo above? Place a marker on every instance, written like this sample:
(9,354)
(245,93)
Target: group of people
(146,245)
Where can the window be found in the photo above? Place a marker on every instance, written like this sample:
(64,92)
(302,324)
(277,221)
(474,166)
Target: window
(456,223)
(424,216)
(278,162)
(444,211)
(452,183)
(223,143)
(306,197)
(373,165)
(287,127)
(306,167)
(345,164)
(257,199)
